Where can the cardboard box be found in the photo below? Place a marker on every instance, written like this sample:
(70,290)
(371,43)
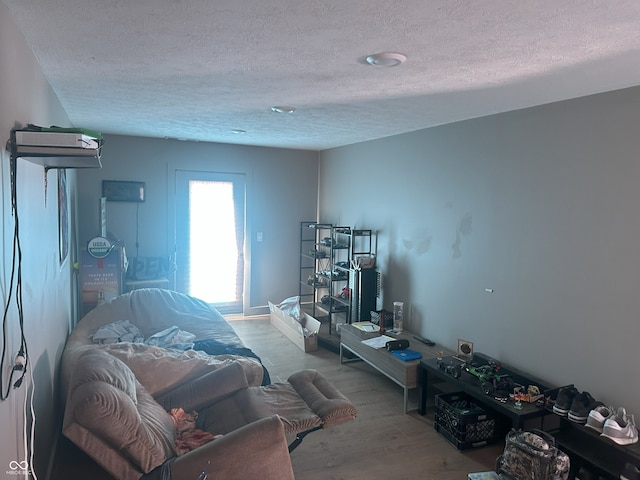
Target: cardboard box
(292,329)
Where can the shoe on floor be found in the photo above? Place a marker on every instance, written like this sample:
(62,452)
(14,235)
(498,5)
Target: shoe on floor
(582,404)
(621,428)
(630,472)
(584,474)
(564,400)
(598,416)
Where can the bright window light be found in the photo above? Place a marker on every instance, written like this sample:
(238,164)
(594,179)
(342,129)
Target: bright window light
(212,244)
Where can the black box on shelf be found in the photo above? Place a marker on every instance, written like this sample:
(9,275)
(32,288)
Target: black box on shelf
(385,315)
(464,423)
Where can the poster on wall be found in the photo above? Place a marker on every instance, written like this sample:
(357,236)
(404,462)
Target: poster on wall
(63,216)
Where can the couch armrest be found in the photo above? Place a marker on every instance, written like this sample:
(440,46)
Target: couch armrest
(205,390)
(257,450)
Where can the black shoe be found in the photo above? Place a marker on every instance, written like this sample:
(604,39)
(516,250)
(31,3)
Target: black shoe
(564,400)
(582,404)
(630,472)
(585,474)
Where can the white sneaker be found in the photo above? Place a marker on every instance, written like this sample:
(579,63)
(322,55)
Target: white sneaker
(621,428)
(598,416)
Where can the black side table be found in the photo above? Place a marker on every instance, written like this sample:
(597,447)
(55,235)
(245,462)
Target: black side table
(470,385)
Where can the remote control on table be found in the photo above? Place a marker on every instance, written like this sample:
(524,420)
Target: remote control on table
(426,341)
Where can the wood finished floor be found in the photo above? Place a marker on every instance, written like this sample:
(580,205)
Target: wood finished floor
(382,443)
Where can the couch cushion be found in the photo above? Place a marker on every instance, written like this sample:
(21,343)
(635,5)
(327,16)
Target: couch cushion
(162,369)
(134,427)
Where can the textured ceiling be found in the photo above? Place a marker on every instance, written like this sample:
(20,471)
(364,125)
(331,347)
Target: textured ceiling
(198,69)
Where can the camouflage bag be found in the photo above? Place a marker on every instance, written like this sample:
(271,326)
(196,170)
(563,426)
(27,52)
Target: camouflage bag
(532,455)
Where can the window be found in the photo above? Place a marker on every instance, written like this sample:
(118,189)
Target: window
(210,237)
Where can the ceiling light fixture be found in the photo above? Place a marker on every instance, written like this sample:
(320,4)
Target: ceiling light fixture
(283,109)
(238,131)
(386,59)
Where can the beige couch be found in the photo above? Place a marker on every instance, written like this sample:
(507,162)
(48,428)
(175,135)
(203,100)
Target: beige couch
(117,396)
(152,310)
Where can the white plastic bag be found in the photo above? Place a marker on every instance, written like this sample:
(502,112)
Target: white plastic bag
(291,307)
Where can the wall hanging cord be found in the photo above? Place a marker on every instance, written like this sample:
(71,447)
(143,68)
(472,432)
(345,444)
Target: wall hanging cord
(15,282)
(30,433)
(21,360)
(137,229)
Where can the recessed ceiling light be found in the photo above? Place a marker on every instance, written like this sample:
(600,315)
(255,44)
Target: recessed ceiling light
(238,131)
(386,59)
(283,109)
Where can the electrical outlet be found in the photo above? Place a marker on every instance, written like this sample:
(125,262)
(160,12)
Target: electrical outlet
(19,362)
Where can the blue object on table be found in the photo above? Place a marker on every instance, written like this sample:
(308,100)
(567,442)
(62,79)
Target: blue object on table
(406,354)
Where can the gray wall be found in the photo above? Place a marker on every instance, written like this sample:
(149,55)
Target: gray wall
(517,231)
(282,190)
(26,97)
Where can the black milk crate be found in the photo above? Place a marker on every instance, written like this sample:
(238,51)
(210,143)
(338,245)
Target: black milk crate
(464,423)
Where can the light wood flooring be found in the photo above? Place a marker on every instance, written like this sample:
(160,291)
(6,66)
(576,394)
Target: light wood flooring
(382,443)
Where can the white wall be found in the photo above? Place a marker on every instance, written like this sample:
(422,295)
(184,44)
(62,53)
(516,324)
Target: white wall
(282,189)
(26,97)
(540,206)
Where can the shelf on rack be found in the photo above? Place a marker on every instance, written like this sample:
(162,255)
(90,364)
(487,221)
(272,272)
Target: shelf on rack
(65,162)
(588,446)
(343,301)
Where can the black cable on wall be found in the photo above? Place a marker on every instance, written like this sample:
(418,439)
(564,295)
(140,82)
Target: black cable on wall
(15,284)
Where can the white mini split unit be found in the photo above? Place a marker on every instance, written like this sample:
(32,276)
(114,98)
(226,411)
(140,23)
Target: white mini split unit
(57,149)
(55,139)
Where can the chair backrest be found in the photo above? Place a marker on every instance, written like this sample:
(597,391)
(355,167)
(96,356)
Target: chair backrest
(110,416)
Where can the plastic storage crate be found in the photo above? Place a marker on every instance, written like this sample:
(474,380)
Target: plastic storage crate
(464,423)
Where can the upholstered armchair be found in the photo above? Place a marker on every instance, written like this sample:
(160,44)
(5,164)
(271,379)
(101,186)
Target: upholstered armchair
(131,434)
(111,416)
